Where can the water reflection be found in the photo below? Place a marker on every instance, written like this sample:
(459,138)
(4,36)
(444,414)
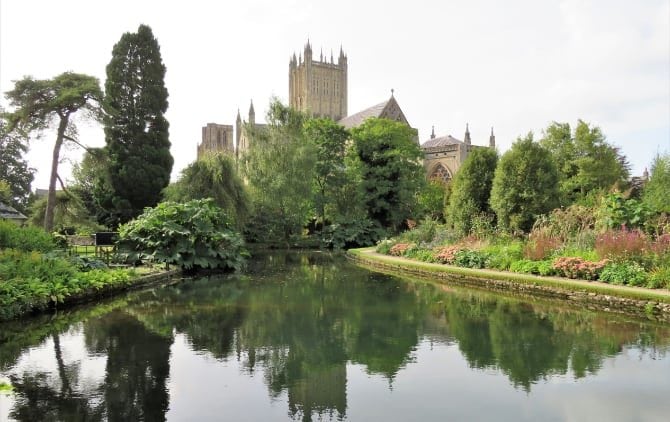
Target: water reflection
(300,322)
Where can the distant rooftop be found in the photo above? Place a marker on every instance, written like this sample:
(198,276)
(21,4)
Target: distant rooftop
(442,141)
(357,119)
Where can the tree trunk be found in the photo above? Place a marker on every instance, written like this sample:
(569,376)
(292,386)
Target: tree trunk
(51,197)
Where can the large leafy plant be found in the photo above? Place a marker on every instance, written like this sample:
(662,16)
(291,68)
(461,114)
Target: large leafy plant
(192,235)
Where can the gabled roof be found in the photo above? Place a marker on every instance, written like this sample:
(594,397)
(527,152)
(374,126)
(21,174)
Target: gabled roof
(9,213)
(357,119)
(442,141)
(388,109)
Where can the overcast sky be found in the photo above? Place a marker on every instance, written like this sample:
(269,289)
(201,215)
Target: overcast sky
(516,65)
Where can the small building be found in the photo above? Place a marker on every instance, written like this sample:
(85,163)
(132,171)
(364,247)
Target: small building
(11,214)
(444,155)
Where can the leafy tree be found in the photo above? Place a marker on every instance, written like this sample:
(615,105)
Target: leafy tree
(279,167)
(329,140)
(213,176)
(136,131)
(14,170)
(586,162)
(69,212)
(525,185)
(432,198)
(87,175)
(391,170)
(656,195)
(42,103)
(471,189)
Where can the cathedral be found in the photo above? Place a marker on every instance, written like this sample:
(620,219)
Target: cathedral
(319,88)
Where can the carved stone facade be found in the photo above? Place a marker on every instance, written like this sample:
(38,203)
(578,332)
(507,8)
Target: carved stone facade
(318,87)
(443,156)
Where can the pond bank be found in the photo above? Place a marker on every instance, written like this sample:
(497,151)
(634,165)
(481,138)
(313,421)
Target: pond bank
(92,294)
(646,303)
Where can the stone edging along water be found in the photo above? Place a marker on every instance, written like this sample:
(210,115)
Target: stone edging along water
(637,301)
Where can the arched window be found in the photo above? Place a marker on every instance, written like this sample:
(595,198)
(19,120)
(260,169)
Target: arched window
(440,172)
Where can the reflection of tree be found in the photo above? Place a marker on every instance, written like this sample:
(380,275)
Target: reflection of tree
(527,343)
(37,399)
(299,319)
(137,368)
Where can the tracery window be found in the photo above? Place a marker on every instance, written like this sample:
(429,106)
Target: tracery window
(441,172)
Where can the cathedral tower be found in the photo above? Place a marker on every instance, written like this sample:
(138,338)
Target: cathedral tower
(318,87)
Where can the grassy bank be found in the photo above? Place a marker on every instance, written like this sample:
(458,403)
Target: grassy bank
(31,281)
(443,271)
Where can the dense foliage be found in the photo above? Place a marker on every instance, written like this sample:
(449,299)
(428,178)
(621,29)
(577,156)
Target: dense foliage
(471,189)
(24,238)
(586,162)
(40,104)
(330,177)
(136,131)
(14,170)
(657,191)
(213,176)
(278,167)
(193,235)
(390,169)
(32,281)
(525,185)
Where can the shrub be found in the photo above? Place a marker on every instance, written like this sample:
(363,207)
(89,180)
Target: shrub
(351,234)
(470,258)
(424,232)
(628,273)
(540,245)
(24,238)
(446,254)
(622,244)
(566,223)
(544,268)
(399,249)
(502,256)
(192,235)
(574,267)
(420,254)
(659,278)
(384,246)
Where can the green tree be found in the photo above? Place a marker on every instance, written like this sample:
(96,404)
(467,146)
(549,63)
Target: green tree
(391,170)
(213,176)
(87,175)
(432,198)
(329,140)
(656,195)
(14,170)
(279,167)
(525,185)
(42,103)
(586,162)
(471,189)
(136,131)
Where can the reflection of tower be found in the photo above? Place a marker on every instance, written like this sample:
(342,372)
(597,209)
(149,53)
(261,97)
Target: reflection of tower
(321,391)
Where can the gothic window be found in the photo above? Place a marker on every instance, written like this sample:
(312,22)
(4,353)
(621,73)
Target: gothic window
(441,172)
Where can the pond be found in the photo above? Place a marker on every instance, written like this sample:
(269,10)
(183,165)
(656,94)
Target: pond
(309,336)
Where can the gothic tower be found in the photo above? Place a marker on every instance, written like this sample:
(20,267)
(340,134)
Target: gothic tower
(318,87)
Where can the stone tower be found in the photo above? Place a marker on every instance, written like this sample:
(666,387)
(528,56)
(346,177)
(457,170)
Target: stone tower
(318,87)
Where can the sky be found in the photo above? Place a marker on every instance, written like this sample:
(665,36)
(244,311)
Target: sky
(515,65)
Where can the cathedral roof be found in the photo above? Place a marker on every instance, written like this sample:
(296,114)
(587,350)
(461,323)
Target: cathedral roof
(442,141)
(357,119)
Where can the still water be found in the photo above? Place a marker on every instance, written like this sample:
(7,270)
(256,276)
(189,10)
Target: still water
(312,337)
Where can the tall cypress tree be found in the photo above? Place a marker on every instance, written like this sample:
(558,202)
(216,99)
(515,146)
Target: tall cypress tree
(136,131)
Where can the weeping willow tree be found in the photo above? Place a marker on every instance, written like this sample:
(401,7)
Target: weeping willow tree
(213,176)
